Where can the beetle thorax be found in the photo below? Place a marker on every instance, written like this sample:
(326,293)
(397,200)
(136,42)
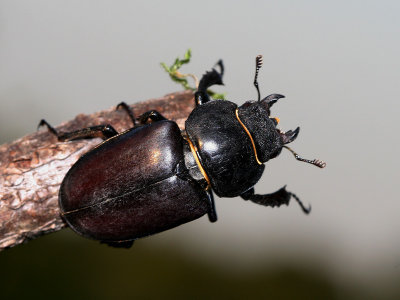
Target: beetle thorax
(224,148)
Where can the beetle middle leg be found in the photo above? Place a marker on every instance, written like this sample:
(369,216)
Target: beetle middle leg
(129,111)
(212,213)
(278,198)
(102,131)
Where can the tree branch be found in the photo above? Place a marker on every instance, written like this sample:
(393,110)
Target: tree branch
(33,167)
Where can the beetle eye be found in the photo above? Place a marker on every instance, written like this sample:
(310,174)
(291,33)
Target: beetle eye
(275,120)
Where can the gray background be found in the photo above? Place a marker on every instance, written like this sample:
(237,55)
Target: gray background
(336,62)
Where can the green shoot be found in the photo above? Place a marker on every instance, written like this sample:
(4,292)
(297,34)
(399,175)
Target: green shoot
(182,79)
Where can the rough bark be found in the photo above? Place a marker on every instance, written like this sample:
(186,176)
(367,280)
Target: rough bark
(32,167)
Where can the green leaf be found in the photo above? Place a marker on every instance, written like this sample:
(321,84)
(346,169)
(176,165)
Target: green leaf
(173,70)
(217,96)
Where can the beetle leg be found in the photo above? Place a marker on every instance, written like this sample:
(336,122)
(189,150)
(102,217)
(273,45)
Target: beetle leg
(151,114)
(129,110)
(210,78)
(103,131)
(212,213)
(278,198)
(123,244)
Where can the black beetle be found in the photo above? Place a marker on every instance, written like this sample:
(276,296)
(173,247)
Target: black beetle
(158,177)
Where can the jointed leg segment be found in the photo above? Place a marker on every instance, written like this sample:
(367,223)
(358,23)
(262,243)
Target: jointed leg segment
(210,78)
(212,213)
(102,131)
(128,110)
(278,198)
(152,115)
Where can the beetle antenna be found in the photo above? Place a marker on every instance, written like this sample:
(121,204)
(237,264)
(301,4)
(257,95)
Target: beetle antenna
(315,162)
(259,62)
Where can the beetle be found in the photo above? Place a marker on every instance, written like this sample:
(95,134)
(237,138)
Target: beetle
(154,177)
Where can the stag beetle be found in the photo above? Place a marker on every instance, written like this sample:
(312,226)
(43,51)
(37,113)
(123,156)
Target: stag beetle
(154,176)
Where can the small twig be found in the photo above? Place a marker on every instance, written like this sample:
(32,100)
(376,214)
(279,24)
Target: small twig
(32,167)
(194,77)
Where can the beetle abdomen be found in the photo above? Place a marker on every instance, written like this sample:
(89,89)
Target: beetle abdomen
(128,187)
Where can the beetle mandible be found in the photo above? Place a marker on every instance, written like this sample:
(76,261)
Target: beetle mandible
(222,150)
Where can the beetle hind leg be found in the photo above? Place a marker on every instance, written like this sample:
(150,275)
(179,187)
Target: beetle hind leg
(103,131)
(123,244)
(278,198)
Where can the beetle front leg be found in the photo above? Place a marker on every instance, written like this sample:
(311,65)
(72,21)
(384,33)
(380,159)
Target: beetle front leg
(153,115)
(210,78)
(102,131)
(278,198)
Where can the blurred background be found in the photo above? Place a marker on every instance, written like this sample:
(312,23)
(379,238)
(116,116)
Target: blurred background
(338,65)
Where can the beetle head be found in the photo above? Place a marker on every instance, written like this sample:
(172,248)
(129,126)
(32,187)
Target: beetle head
(268,139)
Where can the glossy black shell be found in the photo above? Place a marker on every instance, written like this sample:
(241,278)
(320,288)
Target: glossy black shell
(224,147)
(132,185)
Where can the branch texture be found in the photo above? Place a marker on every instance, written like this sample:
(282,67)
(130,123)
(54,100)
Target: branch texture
(32,167)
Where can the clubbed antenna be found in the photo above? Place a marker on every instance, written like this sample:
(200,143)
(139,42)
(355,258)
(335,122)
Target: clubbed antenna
(259,62)
(315,162)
